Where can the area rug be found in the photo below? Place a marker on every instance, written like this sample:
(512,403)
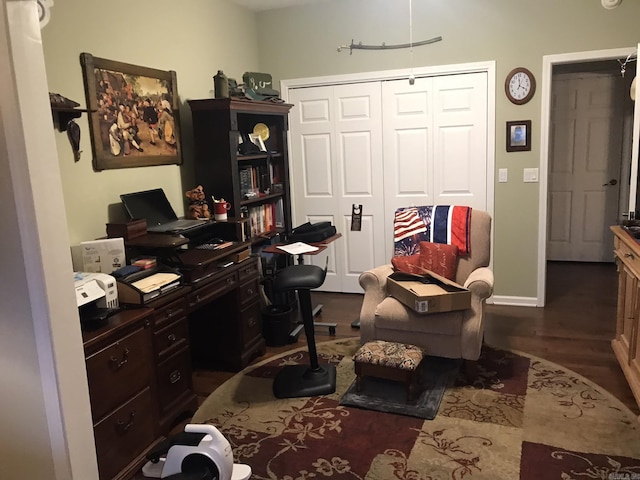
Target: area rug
(387,396)
(521,418)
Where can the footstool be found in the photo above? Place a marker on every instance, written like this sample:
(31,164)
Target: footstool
(398,362)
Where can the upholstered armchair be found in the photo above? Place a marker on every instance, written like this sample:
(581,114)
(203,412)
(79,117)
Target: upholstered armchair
(456,334)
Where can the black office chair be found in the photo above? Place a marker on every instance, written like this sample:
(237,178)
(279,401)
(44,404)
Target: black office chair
(302,380)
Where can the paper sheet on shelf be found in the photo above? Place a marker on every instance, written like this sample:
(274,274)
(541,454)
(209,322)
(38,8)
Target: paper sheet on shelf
(155,281)
(298,248)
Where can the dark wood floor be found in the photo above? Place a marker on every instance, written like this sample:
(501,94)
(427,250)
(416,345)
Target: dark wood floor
(574,329)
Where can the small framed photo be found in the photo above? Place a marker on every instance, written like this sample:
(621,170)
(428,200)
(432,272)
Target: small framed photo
(257,140)
(519,136)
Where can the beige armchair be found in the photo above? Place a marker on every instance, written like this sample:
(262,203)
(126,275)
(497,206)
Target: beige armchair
(455,334)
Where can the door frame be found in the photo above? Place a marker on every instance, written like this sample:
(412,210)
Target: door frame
(548,62)
(438,70)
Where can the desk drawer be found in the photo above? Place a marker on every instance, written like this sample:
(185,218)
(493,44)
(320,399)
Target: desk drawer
(627,255)
(175,309)
(118,371)
(248,292)
(212,290)
(124,434)
(174,380)
(248,269)
(251,322)
(171,338)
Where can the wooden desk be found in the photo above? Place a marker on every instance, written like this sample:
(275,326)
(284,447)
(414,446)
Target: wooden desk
(139,364)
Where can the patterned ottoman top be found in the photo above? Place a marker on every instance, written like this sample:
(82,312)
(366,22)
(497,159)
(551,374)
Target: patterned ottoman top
(389,354)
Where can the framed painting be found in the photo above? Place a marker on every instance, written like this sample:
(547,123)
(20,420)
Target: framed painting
(519,136)
(134,119)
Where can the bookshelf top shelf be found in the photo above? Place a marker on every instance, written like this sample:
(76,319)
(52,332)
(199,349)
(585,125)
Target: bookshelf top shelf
(261,199)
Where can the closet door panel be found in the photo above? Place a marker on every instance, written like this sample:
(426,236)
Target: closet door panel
(316,166)
(338,144)
(460,140)
(359,162)
(407,127)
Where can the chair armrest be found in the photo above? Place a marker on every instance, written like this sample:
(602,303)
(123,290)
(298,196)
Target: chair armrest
(374,284)
(480,282)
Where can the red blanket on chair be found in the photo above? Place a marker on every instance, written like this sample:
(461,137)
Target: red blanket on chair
(448,224)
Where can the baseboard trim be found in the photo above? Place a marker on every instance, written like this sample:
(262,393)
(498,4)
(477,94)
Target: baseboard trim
(514,301)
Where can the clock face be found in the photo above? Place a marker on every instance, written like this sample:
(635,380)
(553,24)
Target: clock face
(520,86)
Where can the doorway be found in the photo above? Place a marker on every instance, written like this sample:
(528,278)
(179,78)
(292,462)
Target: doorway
(575,65)
(585,159)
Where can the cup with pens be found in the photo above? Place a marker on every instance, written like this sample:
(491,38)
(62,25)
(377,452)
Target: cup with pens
(220,208)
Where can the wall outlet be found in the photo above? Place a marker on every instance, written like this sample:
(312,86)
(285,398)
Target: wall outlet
(503,175)
(530,175)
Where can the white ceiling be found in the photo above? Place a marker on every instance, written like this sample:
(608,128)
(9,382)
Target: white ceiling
(261,5)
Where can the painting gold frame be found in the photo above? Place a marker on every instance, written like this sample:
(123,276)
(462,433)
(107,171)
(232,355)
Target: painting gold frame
(122,99)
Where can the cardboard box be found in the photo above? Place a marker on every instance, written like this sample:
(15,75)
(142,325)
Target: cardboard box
(441,295)
(105,255)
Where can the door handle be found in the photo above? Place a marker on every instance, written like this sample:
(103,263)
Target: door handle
(613,181)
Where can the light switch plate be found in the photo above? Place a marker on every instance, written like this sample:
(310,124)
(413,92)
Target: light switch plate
(503,175)
(530,175)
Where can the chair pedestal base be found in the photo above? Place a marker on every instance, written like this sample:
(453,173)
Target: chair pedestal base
(303,381)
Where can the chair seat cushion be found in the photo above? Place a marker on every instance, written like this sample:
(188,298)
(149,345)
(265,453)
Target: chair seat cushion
(296,277)
(389,354)
(391,314)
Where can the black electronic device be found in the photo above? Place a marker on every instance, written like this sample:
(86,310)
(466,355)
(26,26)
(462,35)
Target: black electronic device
(153,205)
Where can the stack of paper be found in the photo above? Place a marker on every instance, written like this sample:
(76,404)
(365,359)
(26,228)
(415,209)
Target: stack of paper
(298,248)
(155,281)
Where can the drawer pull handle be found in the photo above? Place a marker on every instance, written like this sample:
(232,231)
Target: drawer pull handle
(629,255)
(252,322)
(118,364)
(122,427)
(229,281)
(172,337)
(250,291)
(169,313)
(175,376)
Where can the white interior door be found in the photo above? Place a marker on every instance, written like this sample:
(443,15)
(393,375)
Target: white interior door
(585,165)
(435,143)
(384,145)
(336,146)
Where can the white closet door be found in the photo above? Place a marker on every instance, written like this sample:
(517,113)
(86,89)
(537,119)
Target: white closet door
(407,132)
(336,145)
(384,145)
(435,143)
(460,140)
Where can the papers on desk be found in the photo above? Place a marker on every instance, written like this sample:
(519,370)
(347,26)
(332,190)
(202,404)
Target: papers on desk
(155,282)
(298,248)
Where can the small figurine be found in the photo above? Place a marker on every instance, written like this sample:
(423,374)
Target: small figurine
(198,206)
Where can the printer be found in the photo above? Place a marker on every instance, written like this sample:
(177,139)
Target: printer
(96,296)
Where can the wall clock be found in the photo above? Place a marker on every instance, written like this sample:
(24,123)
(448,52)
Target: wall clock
(520,85)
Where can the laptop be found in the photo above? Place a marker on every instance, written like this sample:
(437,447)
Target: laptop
(154,207)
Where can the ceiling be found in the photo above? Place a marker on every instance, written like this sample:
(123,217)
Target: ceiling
(261,5)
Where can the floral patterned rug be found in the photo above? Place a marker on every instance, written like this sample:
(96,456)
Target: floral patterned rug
(522,418)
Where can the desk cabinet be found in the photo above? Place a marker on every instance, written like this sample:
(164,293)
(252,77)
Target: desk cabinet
(225,319)
(120,374)
(139,375)
(626,344)
(172,358)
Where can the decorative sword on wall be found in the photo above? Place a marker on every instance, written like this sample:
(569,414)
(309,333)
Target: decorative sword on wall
(359,46)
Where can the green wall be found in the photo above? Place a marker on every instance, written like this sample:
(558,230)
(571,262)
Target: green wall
(193,38)
(198,37)
(302,42)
